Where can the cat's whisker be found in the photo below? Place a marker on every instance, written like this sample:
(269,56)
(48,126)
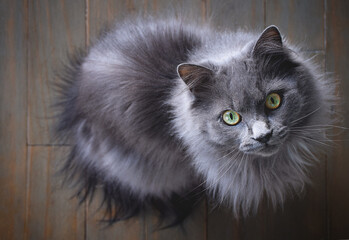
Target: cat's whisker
(311,132)
(231,164)
(337,140)
(306,152)
(301,149)
(221,169)
(311,139)
(322,126)
(304,130)
(238,169)
(307,115)
(226,167)
(310,59)
(227,162)
(244,158)
(326,129)
(234,150)
(325,138)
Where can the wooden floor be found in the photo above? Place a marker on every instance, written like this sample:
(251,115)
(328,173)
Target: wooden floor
(35,37)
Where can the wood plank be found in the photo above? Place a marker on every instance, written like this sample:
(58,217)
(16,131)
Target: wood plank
(192,9)
(194,227)
(52,214)
(248,14)
(301,21)
(337,57)
(56,29)
(102,15)
(131,229)
(13,96)
(222,224)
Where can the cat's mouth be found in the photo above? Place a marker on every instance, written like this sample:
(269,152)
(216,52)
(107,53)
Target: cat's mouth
(265,149)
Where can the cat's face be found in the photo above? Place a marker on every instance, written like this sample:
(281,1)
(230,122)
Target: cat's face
(250,104)
(239,112)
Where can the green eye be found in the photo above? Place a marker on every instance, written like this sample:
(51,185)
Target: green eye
(273,101)
(231,118)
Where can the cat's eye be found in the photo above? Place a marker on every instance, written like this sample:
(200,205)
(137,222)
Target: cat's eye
(273,101)
(231,118)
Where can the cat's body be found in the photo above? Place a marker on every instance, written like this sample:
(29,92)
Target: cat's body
(148,127)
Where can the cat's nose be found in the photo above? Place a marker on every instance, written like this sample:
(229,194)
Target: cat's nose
(264,138)
(261,132)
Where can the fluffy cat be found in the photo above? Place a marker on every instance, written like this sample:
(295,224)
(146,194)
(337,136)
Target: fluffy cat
(161,111)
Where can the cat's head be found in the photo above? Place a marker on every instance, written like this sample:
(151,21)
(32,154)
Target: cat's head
(254,119)
(253,101)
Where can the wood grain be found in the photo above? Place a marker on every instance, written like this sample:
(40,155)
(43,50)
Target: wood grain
(13,97)
(300,21)
(57,28)
(52,214)
(35,38)
(100,16)
(103,16)
(222,224)
(337,57)
(233,15)
(132,229)
(194,227)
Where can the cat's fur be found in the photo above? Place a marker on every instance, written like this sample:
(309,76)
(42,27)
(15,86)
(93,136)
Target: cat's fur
(147,128)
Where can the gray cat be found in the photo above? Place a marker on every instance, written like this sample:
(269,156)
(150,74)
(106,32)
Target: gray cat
(161,111)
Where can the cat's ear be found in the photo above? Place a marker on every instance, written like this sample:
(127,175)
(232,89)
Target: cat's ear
(269,42)
(193,75)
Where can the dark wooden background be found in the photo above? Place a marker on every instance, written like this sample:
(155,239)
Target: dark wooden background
(35,37)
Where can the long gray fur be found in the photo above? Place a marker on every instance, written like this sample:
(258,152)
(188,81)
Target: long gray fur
(134,123)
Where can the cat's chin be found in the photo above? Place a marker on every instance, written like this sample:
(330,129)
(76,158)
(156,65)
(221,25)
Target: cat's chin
(263,151)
